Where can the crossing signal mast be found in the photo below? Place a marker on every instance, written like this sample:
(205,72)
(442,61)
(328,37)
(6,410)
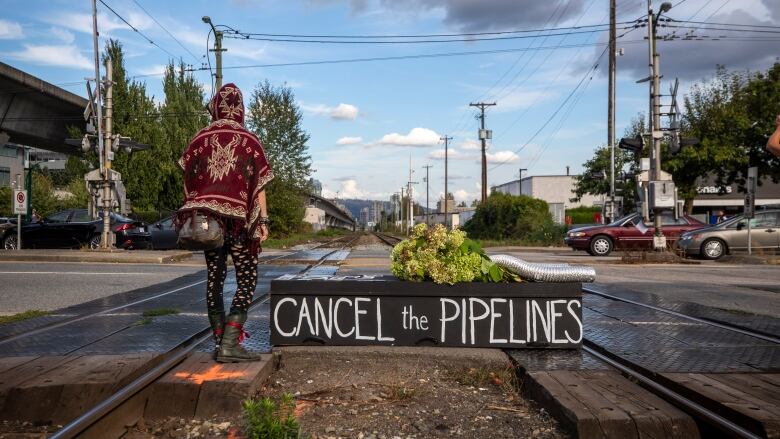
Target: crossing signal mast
(103,184)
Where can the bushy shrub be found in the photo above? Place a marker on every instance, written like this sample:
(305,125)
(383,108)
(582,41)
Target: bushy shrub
(582,214)
(510,217)
(443,257)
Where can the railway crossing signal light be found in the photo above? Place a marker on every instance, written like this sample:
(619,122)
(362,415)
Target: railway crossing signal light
(634,144)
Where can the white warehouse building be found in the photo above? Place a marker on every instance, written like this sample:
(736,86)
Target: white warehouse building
(556,190)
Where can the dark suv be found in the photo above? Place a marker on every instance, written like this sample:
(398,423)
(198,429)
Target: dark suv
(71,228)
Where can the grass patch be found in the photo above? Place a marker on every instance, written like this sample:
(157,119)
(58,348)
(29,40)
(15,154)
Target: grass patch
(302,238)
(143,321)
(31,314)
(159,312)
(269,419)
(504,378)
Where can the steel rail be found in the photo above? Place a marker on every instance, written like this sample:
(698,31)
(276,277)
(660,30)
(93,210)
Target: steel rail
(78,318)
(591,290)
(104,407)
(180,353)
(86,316)
(388,239)
(670,395)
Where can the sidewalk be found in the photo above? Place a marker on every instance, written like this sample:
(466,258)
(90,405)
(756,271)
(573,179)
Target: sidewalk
(111,256)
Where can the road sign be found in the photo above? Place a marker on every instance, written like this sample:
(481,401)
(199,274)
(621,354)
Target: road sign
(20,202)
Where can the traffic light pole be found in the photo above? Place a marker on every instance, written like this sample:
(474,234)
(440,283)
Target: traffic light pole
(659,241)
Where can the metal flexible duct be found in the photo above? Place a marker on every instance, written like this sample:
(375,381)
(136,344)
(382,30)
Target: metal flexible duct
(545,272)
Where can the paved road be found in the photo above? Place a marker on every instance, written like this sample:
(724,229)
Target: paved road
(743,288)
(48,286)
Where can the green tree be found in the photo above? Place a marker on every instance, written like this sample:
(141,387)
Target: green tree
(136,116)
(712,115)
(517,217)
(275,118)
(594,179)
(183,114)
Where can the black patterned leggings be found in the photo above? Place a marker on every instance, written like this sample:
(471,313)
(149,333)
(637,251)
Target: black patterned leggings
(246,277)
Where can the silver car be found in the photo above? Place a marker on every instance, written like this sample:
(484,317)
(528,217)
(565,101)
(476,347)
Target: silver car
(732,236)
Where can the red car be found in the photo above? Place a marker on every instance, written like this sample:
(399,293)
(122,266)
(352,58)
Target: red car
(627,233)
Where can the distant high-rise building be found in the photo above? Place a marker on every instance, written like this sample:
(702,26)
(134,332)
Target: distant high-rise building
(375,212)
(316,186)
(365,215)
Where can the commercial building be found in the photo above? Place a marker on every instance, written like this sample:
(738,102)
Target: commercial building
(712,198)
(556,190)
(11,163)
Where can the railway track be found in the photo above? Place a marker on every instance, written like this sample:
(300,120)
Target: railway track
(388,239)
(167,361)
(712,413)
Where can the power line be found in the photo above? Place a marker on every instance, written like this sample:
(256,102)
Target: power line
(137,31)
(458,40)
(166,31)
(402,57)
(723,24)
(560,107)
(464,34)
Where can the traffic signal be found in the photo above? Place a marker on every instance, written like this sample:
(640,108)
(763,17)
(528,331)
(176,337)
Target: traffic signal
(634,144)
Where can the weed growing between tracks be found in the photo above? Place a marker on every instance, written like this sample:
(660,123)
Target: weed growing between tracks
(269,419)
(157,312)
(31,314)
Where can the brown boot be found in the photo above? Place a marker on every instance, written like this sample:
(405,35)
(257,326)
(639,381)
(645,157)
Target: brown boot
(230,350)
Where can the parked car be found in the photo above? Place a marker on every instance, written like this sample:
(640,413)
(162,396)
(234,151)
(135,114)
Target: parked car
(629,232)
(163,234)
(732,235)
(74,228)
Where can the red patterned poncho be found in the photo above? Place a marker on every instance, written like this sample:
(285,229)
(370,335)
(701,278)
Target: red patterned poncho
(225,168)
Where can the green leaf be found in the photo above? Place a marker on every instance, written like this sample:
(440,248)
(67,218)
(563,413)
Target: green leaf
(495,273)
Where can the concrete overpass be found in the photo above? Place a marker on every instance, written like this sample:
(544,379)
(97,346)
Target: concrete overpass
(334,216)
(36,113)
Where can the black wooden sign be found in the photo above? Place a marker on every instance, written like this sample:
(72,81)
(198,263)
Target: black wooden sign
(369,310)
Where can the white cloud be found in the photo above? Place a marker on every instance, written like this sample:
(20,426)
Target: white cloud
(83,22)
(462,195)
(502,157)
(61,56)
(452,154)
(64,35)
(344,111)
(471,145)
(416,137)
(10,30)
(349,189)
(349,140)
(157,69)
(339,112)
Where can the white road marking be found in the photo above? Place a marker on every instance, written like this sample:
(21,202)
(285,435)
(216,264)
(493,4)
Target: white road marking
(77,272)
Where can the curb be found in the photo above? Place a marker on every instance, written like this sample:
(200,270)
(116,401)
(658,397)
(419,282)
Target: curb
(86,257)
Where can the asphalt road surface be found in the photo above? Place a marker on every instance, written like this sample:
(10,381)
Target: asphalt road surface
(47,286)
(753,289)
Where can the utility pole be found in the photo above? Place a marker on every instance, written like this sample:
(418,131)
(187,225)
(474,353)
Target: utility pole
(409,195)
(217,51)
(483,136)
(611,108)
(659,241)
(402,214)
(520,180)
(427,194)
(105,240)
(98,92)
(446,178)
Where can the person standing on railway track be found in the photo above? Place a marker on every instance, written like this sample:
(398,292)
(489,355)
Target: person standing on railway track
(225,173)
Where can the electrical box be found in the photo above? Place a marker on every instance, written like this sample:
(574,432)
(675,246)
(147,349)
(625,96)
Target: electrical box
(661,195)
(644,164)
(485,134)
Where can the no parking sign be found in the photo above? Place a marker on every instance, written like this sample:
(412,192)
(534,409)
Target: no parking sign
(20,202)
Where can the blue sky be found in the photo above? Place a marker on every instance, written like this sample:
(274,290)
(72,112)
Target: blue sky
(366,119)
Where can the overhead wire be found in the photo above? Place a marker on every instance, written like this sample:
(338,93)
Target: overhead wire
(448,40)
(138,31)
(166,31)
(560,107)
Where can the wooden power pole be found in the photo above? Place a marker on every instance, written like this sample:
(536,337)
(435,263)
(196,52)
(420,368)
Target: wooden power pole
(483,136)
